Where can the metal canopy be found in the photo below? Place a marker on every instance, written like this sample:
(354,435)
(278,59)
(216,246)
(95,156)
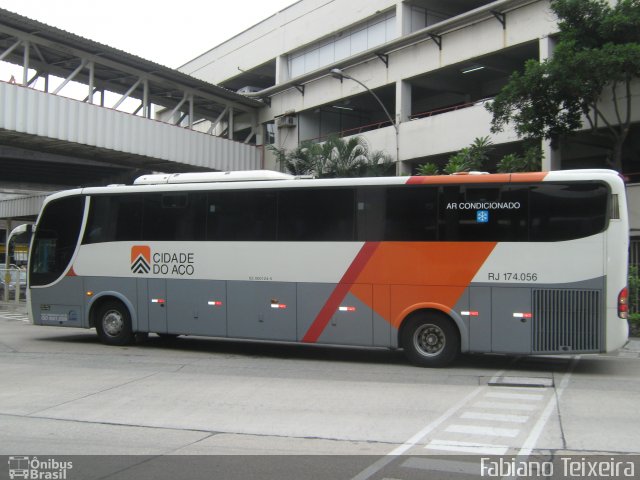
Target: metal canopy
(52,51)
(59,57)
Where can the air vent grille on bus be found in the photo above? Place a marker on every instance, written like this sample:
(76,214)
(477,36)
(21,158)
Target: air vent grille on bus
(567,321)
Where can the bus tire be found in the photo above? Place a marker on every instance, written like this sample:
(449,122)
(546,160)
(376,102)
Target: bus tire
(430,340)
(113,324)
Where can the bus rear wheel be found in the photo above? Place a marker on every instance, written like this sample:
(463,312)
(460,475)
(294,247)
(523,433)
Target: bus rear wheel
(430,340)
(113,324)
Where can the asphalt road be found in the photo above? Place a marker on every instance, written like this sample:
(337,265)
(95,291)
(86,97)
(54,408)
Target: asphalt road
(315,412)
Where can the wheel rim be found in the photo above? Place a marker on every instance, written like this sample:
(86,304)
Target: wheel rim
(113,323)
(429,340)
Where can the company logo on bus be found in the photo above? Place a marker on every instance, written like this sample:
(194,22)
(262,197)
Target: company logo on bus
(140,259)
(143,262)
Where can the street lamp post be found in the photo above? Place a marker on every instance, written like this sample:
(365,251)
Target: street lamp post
(339,74)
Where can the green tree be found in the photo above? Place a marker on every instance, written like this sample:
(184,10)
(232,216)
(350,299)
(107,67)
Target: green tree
(597,56)
(531,161)
(380,164)
(305,159)
(345,158)
(428,169)
(470,158)
(335,158)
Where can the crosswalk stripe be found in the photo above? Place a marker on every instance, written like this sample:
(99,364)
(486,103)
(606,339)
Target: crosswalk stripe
(467,447)
(495,417)
(487,431)
(514,396)
(523,407)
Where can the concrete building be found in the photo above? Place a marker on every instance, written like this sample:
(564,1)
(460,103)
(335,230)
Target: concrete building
(432,63)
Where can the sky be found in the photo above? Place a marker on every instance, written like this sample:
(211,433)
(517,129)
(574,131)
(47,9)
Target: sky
(166,32)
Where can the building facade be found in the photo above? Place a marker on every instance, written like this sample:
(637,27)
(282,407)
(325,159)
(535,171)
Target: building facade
(433,64)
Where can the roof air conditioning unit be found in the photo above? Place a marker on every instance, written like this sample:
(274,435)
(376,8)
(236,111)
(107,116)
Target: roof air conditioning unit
(286,122)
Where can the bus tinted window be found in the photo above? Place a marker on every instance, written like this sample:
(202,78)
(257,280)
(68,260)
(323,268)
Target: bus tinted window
(412,214)
(567,211)
(242,215)
(484,214)
(116,218)
(316,215)
(174,217)
(56,239)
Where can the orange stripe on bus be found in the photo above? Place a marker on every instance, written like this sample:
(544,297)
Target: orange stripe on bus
(338,294)
(532,177)
(420,273)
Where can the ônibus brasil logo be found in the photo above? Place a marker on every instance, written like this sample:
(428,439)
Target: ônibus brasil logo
(161,263)
(140,259)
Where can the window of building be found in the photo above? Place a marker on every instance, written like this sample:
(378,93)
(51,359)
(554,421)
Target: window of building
(422,17)
(377,31)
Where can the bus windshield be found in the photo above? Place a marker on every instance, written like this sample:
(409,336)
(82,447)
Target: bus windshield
(56,239)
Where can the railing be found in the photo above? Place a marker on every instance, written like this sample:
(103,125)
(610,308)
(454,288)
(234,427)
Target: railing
(352,131)
(387,123)
(451,108)
(13,284)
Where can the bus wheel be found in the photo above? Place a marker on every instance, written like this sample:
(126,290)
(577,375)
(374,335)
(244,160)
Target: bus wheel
(113,324)
(430,340)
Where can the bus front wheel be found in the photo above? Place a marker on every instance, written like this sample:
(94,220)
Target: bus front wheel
(430,340)
(113,324)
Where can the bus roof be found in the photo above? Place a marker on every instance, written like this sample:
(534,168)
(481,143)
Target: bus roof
(189,182)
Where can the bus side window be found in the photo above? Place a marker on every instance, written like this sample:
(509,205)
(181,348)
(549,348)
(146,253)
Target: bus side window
(174,217)
(114,218)
(487,213)
(567,211)
(317,215)
(412,214)
(239,215)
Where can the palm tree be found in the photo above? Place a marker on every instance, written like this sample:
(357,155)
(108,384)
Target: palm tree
(345,158)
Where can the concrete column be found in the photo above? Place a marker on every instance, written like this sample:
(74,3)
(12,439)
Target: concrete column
(547,45)
(552,159)
(282,69)
(403,101)
(403,18)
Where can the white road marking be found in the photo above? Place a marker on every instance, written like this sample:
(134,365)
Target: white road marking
(536,431)
(486,431)
(467,447)
(523,407)
(495,417)
(514,396)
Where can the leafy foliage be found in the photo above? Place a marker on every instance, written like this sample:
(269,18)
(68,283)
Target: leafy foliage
(335,158)
(531,161)
(598,52)
(470,158)
(634,290)
(428,169)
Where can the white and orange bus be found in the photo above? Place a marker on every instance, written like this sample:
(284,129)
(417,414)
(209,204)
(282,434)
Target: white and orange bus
(520,264)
